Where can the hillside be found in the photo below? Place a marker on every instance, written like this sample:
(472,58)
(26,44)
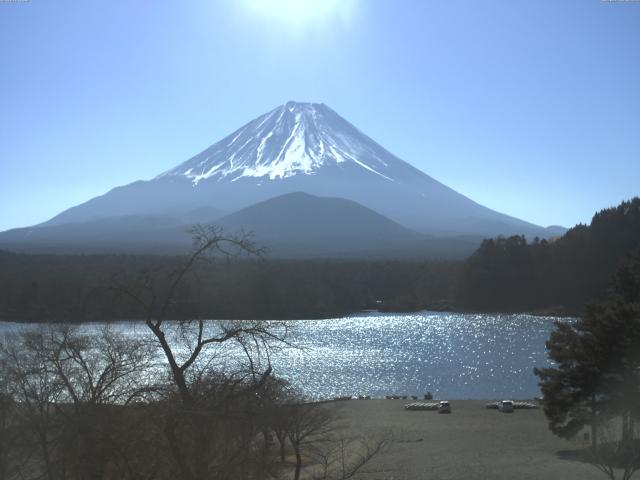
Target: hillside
(511,274)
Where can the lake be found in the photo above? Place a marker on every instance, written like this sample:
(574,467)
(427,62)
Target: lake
(452,355)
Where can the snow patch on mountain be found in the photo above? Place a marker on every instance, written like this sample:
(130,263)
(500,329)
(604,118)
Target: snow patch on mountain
(293,139)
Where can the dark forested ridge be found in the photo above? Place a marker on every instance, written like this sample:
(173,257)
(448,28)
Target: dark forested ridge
(91,287)
(510,274)
(503,275)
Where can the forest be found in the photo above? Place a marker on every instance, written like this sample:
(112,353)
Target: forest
(82,288)
(511,274)
(504,275)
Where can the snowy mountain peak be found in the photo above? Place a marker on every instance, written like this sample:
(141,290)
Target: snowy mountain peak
(294,139)
(299,147)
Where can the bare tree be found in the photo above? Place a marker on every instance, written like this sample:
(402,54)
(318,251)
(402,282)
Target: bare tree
(617,456)
(197,423)
(315,434)
(32,386)
(210,242)
(345,457)
(66,387)
(275,399)
(7,431)
(309,424)
(189,401)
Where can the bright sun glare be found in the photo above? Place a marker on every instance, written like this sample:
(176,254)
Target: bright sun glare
(302,12)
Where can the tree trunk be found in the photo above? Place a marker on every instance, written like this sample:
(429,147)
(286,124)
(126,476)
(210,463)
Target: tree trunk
(627,428)
(46,455)
(176,452)
(594,426)
(298,463)
(176,371)
(282,440)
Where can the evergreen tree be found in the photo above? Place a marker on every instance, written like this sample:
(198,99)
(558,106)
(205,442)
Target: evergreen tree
(597,362)
(510,274)
(572,390)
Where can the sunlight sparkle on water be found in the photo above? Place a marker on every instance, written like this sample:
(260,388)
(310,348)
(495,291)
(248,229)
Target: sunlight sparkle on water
(452,355)
(449,354)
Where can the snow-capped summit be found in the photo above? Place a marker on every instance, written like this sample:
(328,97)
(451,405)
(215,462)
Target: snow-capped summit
(301,147)
(293,139)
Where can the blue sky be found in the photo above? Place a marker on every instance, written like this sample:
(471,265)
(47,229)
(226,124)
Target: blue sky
(531,108)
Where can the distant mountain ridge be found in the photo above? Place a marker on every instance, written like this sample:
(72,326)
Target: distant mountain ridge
(301,225)
(298,213)
(297,147)
(143,233)
(294,225)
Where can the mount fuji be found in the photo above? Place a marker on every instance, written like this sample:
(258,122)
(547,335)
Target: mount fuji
(297,147)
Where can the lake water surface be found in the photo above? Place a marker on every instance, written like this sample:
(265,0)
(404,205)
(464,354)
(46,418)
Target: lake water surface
(452,355)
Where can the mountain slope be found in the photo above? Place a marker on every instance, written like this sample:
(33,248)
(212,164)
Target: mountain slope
(294,225)
(143,233)
(298,214)
(304,147)
(302,225)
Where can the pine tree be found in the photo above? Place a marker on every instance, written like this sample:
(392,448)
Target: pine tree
(597,362)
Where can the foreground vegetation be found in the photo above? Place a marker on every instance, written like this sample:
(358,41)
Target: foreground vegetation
(77,406)
(167,405)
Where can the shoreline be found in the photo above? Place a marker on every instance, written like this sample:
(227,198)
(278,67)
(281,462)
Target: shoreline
(537,313)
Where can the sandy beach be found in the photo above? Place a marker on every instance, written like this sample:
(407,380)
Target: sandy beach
(471,443)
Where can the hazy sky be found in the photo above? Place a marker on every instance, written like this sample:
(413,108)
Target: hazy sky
(531,108)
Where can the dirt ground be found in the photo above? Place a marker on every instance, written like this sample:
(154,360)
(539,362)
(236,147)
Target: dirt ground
(470,443)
